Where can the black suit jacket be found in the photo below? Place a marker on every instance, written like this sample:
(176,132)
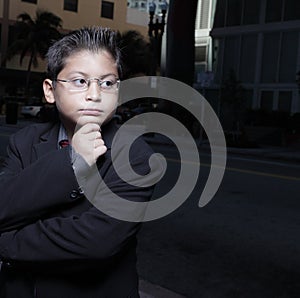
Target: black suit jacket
(54,242)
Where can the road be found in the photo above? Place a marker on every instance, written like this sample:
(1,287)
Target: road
(244,243)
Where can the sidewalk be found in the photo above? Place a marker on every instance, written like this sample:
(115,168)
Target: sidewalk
(148,290)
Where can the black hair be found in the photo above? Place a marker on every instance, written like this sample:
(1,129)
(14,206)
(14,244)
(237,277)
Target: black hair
(93,39)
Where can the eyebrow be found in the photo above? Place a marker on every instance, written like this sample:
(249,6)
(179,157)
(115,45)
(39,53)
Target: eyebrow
(86,75)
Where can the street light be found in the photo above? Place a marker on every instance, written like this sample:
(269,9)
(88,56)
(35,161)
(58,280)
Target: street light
(298,80)
(156,30)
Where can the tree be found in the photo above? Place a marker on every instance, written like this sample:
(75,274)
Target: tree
(136,54)
(33,38)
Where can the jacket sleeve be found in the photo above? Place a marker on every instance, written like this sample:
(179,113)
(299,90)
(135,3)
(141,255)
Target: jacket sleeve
(29,192)
(90,235)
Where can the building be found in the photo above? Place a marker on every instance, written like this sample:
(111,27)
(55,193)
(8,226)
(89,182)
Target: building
(74,13)
(260,41)
(203,40)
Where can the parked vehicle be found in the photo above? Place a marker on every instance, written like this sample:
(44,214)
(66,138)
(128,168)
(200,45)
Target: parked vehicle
(32,108)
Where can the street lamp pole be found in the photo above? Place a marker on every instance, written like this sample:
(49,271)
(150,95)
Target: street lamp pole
(298,80)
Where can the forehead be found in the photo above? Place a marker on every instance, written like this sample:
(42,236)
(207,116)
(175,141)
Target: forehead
(87,60)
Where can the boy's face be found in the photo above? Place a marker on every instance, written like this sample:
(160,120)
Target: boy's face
(77,107)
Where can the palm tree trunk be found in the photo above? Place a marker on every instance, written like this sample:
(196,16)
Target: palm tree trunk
(28,74)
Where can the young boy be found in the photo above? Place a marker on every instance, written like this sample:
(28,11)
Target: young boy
(54,242)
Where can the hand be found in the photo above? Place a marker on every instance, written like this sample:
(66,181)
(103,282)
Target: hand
(87,141)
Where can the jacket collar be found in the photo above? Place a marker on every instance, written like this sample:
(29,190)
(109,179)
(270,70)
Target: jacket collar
(48,139)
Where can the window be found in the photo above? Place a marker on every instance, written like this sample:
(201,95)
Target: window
(231,55)
(251,12)
(200,54)
(292,10)
(71,5)
(30,1)
(219,20)
(266,100)
(274,11)
(288,56)
(248,58)
(270,58)
(107,10)
(285,101)
(234,13)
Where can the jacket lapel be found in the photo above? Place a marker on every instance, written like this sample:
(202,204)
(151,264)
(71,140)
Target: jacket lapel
(47,141)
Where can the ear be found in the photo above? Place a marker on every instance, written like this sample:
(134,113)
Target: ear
(48,91)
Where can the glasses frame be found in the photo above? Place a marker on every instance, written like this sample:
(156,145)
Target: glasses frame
(99,83)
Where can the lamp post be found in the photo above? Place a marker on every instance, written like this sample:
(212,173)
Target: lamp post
(155,31)
(298,80)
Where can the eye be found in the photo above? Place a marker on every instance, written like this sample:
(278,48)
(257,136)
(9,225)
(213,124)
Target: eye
(107,84)
(80,82)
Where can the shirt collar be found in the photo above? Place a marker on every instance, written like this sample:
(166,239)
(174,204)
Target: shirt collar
(108,131)
(62,135)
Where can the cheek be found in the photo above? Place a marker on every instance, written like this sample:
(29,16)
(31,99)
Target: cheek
(110,102)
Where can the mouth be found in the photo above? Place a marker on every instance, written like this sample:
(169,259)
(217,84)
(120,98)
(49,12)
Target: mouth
(90,112)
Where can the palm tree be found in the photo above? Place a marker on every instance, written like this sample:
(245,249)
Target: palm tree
(33,38)
(136,54)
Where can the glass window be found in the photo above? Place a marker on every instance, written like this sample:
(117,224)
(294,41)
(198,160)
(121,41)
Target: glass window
(248,58)
(274,10)
(248,98)
(71,5)
(292,10)
(288,56)
(285,101)
(266,100)
(200,54)
(231,55)
(270,58)
(30,1)
(234,12)
(107,10)
(251,12)
(219,20)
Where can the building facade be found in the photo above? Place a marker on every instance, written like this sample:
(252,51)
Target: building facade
(259,40)
(74,13)
(203,40)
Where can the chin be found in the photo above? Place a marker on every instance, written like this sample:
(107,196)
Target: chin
(88,119)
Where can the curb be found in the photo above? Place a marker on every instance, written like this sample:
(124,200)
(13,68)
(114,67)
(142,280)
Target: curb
(149,290)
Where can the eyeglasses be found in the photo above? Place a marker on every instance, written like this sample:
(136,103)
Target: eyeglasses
(109,85)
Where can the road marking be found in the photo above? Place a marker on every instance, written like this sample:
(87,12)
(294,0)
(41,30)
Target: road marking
(240,170)
(277,163)
(263,174)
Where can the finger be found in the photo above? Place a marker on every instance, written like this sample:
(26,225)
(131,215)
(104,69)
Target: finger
(98,143)
(99,151)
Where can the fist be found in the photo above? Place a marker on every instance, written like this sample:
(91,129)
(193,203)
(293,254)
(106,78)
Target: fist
(87,141)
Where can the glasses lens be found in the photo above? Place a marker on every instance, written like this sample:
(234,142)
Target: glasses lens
(110,85)
(79,84)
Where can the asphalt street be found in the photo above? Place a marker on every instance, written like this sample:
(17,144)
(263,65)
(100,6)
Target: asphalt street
(244,243)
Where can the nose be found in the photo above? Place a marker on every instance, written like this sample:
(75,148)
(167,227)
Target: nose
(93,92)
